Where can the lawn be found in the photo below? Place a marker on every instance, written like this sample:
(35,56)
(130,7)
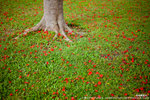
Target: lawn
(110,60)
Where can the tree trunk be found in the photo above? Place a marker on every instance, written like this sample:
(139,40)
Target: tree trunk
(53,19)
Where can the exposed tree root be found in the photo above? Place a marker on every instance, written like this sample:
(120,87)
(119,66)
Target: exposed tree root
(42,26)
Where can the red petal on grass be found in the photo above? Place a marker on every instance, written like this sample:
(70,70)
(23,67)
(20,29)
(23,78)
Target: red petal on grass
(5,48)
(20,76)
(146,16)
(89,61)
(26,82)
(99,96)
(90,73)
(87,82)
(60,49)
(125,94)
(70,65)
(101,75)
(132,59)
(137,90)
(143,52)
(32,46)
(141,88)
(112,94)
(109,64)
(64,94)
(11,94)
(63,89)
(57,92)
(99,83)
(28,75)
(47,63)
(72,98)
(52,49)
(59,34)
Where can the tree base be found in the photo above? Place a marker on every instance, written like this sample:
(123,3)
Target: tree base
(52,20)
(52,27)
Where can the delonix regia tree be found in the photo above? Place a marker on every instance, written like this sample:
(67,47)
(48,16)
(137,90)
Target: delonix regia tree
(53,19)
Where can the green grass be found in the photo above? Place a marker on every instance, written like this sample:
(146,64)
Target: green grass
(111,60)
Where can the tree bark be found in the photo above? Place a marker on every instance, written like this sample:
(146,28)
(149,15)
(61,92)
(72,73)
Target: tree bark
(53,19)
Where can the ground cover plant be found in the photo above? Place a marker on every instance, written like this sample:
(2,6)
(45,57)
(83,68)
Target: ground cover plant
(112,58)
